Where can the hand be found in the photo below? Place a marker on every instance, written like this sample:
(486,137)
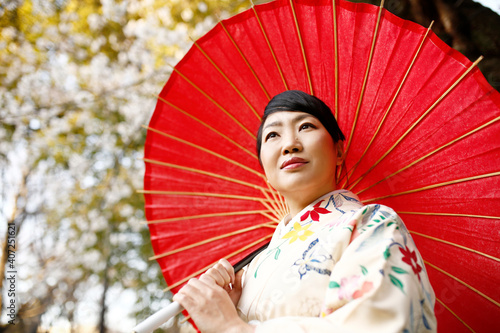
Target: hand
(210,307)
(223,275)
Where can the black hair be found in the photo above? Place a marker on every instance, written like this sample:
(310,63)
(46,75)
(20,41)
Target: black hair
(299,101)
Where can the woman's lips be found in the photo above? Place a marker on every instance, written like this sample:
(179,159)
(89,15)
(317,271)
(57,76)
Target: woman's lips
(293,163)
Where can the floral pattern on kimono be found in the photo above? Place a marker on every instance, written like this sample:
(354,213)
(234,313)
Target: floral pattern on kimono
(339,266)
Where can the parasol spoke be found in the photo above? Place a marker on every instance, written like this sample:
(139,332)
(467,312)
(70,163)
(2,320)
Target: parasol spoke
(206,173)
(201,216)
(215,103)
(416,122)
(246,62)
(208,126)
(454,314)
(453,214)
(178,283)
(299,35)
(274,209)
(365,80)
(456,245)
(213,239)
(429,187)
(398,90)
(280,209)
(270,48)
(228,80)
(474,130)
(336,55)
(272,218)
(463,283)
(227,159)
(203,194)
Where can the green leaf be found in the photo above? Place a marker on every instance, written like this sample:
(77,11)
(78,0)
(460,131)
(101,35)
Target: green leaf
(376,220)
(392,222)
(365,210)
(387,253)
(395,281)
(278,251)
(382,217)
(364,270)
(399,270)
(333,284)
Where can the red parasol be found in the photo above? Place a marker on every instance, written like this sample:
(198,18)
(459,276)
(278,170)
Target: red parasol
(423,138)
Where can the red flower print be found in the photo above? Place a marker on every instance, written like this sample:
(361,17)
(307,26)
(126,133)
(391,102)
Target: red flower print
(314,213)
(410,257)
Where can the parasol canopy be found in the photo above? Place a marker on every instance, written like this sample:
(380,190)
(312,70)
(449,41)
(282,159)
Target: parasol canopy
(423,137)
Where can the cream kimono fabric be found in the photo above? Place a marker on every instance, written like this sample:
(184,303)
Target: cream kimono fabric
(339,266)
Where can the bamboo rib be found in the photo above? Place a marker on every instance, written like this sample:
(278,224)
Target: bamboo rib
(203,194)
(456,181)
(365,80)
(277,196)
(270,48)
(278,212)
(456,245)
(419,119)
(207,267)
(246,62)
(452,214)
(268,207)
(206,173)
(206,151)
(215,103)
(454,314)
(306,65)
(207,126)
(273,218)
(279,199)
(463,283)
(336,55)
(396,95)
(209,240)
(274,204)
(228,80)
(202,216)
(432,153)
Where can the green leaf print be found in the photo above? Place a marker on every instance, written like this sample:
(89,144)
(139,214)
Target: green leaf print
(387,253)
(399,270)
(364,270)
(390,223)
(333,284)
(276,255)
(365,210)
(395,281)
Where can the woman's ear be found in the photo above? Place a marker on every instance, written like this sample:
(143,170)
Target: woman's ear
(340,152)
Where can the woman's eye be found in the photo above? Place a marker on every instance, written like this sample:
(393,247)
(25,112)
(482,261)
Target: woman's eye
(306,126)
(271,135)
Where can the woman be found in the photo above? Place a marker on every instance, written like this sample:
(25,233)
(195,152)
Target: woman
(333,265)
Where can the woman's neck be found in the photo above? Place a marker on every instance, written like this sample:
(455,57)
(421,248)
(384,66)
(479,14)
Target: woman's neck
(297,201)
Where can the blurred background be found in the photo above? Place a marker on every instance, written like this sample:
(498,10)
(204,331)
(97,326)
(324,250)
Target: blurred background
(78,79)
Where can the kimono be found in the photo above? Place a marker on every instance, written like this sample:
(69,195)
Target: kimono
(339,266)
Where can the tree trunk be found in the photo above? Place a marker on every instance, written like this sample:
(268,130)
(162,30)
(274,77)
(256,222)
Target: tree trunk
(102,317)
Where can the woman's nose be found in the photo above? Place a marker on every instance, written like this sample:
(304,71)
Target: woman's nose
(292,145)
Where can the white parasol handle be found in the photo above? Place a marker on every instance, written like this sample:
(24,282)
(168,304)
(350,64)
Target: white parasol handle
(159,318)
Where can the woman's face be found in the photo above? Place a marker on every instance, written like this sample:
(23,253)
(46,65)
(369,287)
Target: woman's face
(298,154)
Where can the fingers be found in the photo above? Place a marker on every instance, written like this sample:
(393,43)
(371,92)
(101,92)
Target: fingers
(229,268)
(189,295)
(221,273)
(238,278)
